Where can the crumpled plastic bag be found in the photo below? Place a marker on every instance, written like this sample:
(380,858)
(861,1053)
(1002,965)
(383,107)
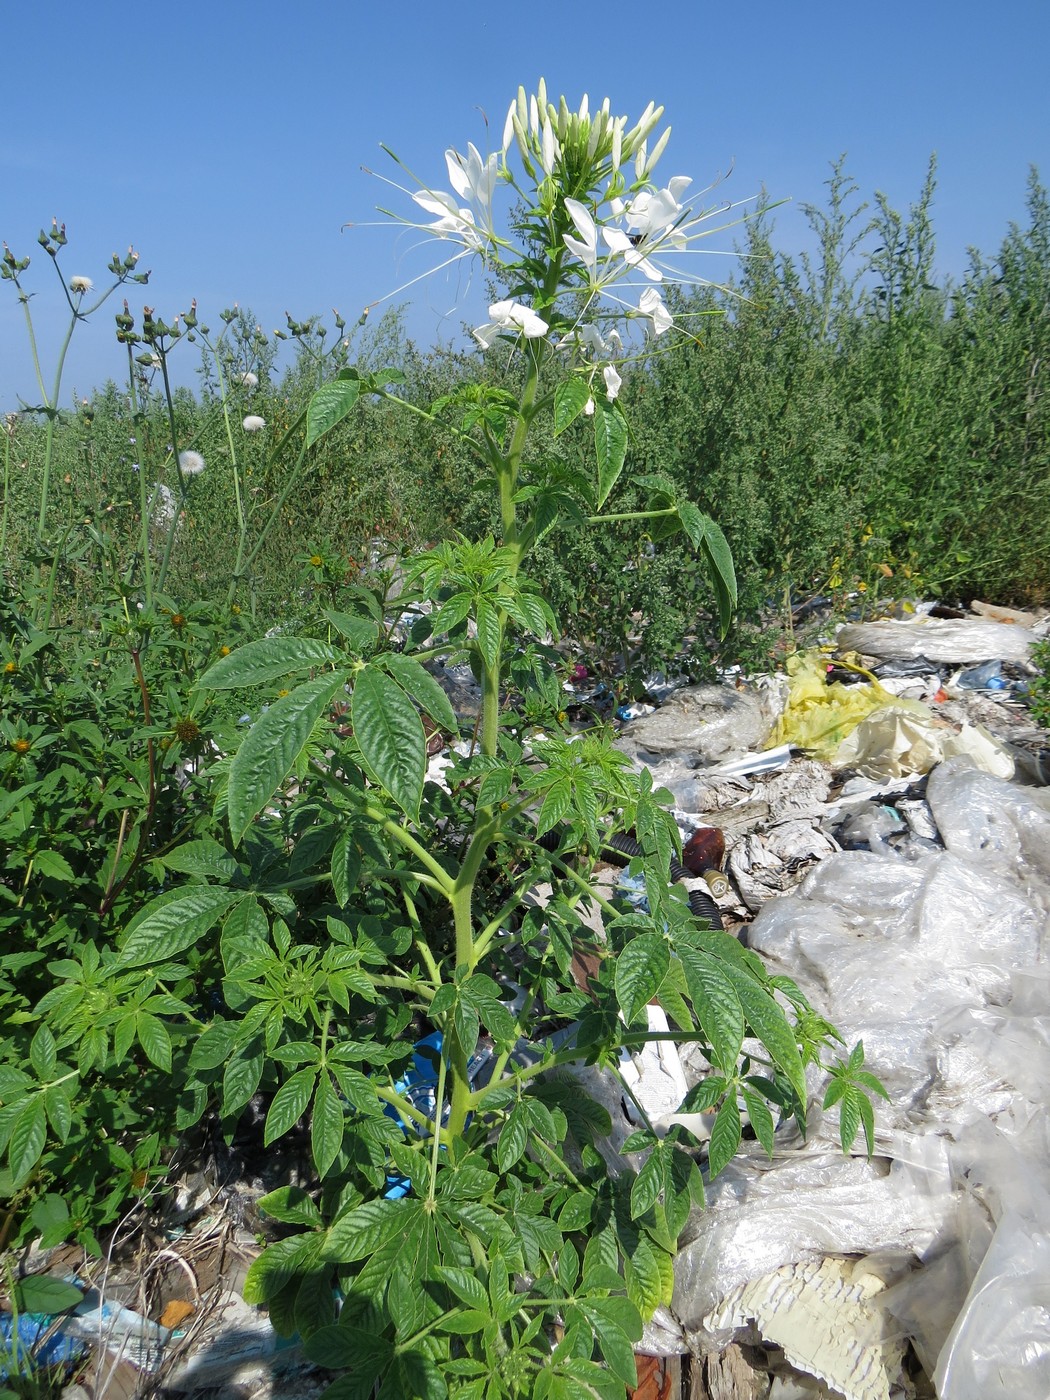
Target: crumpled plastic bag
(818,716)
(894,742)
(953,640)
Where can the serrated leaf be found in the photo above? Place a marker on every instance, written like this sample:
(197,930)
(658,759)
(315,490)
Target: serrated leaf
(849,1117)
(361,632)
(289,1104)
(513,1138)
(268,659)
(389,733)
(206,858)
(771,1026)
(760,1117)
(647,1185)
(423,688)
(715,1004)
(52,865)
(291,1205)
(168,925)
(329,405)
(280,1262)
(645,1280)
(709,541)
(616,1326)
(490,632)
(570,399)
(28,1136)
(640,968)
(725,1135)
(326,1126)
(271,748)
(466,1287)
(361,1231)
(346,868)
(239,1082)
(59,1108)
(610,446)
(154,1038)
(556,805)
(43,1053)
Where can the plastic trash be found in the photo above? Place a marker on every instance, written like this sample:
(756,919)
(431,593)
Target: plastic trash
(819,716)
(893,743)
(700,724)
(987,676)
(24,1348)
(953,640)
(938,964)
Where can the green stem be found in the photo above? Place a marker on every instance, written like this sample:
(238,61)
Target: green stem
(439,1099)
(632,515)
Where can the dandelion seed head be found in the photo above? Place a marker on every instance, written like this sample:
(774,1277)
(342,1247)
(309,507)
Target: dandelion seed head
(191,463)
(253,423)
(80,284)
(249,380)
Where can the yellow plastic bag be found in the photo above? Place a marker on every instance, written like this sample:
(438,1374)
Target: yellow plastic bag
(818,716)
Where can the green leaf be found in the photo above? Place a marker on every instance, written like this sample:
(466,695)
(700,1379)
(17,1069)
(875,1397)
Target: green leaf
(271,748)
(289,1104)
(466,1287)
(570,399)
(28,1135)
(206,858)
(43,1053)
(709,541)
(760,1118)
(361,1231)
(168,925)
(725,1135)
(513,1139)
(239,1082)
(490,632)
(346,868)
(40,1293)
(716,1005)
(366,1351)
(771,1026)
(640,969)
(647,1185)
(610,446)
(390,736)
(326,1127)
(423,688)
(268,659)
(616,1325)
(360,632)
(291,1205)
(52,865)
(330,404)
(154,1038)
(555,807)
(280,1262)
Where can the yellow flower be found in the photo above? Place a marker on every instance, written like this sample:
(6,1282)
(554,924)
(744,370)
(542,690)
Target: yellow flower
(21,746)
(10,668)
(316,561)
(224,651)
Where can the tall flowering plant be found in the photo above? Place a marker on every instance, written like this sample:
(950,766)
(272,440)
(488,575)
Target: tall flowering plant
(390,978)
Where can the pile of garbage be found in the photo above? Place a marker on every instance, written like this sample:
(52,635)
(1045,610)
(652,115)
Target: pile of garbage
(885,823)
(890,852)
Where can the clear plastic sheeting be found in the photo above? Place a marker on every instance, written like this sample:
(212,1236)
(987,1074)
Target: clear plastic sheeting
(938,962)
(956,641)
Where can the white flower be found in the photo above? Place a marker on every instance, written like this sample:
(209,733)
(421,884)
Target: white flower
(253,423)
(653,213)
(612,381)
(651,305)
(474,180)
(511,316)
(249,380)
(190,463)
(586,248)
(80,284)
(588,408)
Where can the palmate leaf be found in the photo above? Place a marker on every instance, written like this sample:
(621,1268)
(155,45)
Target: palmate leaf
(271,748)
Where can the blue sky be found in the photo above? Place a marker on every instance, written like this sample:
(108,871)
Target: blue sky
(226,141)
